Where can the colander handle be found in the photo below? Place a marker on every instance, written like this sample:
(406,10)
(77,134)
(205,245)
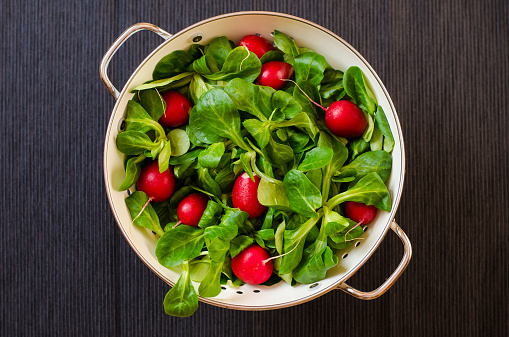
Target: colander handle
(103,70)
(390,281)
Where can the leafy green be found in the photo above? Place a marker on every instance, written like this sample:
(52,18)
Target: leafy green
(303,195)
(297,140)
(379,162)
(315,176)
(209,216)
(285,102)
(383,125)
(247,97)
(219,48)
(239,243)
(340,154)
(185,170)
(304,122)
(211,157)
(137,119)
(312,267)
(148,218)
(240,63)
(164,156)
(272,194)
(293,245)
(376,142)
(189,157)
(179,244)
(132,172)
(198,87)
(340,237)
(259,130)
(164,84)
(368,131)
(153,103)
(278,152)
(216,115)
(234,219)
(369,190)
(357,146)
(210,286)
(269,217)
(218,248)
(316,158)
(206,182)
(358,89)
(172,64)
(205,65)
(331,86)
(196,50)
(301,92)
(285,44)
(225,178)
(272,55)
(181,300)
(309,67)
(179,141)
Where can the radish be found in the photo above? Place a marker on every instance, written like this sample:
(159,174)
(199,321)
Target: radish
(245,196)
(191,208)
(274,74)
(360,212)
(177,109)
(158,186)
(253,265)
(345,119)
(256,44)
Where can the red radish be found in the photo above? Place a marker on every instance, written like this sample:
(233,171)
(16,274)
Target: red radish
(177,109)
(345,119)
(158,186)
(191,208)
(244,196)
(360,212)
(274,73)
(252,265)
(256,44)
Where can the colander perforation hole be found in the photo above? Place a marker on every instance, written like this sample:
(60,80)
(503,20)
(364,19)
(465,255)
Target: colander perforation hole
(314,286)
(365,228)
(345,256)
(256,291)
(357,244)
(121,125)
(223,287)
(197,37)
(239,292)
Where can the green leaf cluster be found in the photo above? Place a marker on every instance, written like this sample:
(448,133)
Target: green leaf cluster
(238,126)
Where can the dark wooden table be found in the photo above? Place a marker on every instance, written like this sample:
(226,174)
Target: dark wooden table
(66,269)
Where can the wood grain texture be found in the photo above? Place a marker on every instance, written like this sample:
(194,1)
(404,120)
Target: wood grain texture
(66,269)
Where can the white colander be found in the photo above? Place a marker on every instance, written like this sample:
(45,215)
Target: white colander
(340,55)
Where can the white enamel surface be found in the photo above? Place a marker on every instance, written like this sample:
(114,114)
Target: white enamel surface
(340,56)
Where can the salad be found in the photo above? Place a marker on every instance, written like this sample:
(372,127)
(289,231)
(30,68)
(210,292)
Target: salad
(252,164)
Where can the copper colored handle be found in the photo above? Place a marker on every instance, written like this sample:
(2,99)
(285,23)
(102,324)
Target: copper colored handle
(116,45)
(390,281)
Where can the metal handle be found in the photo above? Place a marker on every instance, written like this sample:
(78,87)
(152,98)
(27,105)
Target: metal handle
(390,281)
(114,47)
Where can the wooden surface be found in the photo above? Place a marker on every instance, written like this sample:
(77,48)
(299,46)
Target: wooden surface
(66,270)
